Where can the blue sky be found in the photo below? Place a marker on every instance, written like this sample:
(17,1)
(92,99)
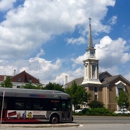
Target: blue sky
(48,38)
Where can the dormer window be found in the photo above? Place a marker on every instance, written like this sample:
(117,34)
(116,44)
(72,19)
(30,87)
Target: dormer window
(19,79)
(30,80)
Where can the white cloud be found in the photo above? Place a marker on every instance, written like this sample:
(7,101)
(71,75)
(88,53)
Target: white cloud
(127,76)
(77,41)
(113,20)
(40,53)
(112,52)
(38,67)
(70,74)
(79,59)
(113,70)
(6,4)
(27,27)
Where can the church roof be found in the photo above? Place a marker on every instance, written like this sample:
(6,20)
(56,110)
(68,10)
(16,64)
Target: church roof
(77,80)
(106,80)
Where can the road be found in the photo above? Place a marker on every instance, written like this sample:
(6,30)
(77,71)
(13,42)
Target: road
(86,123)
(102,119)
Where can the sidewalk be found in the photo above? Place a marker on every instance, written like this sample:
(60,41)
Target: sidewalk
(40,125)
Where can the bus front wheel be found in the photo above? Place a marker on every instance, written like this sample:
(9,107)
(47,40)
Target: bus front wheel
(54,119)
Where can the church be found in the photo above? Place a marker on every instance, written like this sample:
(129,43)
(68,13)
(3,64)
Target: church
(103,87)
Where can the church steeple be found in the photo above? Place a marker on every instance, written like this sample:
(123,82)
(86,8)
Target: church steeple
(90,40)
(91,74)
(90,50)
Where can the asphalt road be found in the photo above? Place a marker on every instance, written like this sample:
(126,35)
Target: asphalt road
(85,123)
(102,119)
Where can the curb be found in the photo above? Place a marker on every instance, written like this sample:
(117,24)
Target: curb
(40,125)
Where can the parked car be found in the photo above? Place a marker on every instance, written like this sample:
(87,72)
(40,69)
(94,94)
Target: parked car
(78,110)
(81,110)
(125,111)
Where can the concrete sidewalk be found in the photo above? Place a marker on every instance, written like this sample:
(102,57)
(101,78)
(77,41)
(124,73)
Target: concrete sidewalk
(40,125)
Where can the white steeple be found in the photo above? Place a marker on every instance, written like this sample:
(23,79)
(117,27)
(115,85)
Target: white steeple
(91,74)
(90,50)
(90,40)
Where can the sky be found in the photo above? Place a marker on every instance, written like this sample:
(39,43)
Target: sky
(48,38)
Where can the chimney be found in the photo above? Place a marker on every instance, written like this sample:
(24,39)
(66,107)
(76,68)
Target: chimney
(4,77)
(14,72)
(66,79)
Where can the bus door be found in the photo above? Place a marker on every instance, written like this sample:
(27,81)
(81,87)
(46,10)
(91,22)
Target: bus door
(66,111)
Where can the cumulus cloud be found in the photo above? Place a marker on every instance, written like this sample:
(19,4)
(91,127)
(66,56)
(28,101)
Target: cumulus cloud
(113,20)
(78,41)
(40,68)
(41,53)
(127,76)
(79,59)
(71,75)
(111,54)
(6,4)
(27,27)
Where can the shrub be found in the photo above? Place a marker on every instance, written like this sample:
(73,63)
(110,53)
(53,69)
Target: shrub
(84,111)
(99,111)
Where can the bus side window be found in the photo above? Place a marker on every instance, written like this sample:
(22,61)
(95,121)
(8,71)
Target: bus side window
(55,105)
(28,105)
(63,106)
(37,105)
(19,104)
(68,105)
(10,103)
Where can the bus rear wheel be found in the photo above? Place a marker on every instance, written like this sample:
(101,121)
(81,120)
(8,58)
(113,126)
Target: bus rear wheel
(54,119)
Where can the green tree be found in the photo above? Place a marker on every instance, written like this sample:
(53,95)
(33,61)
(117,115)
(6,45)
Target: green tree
(30,86)
(7,83)
(78,94)
(122,99)
(95,104)
(54,86)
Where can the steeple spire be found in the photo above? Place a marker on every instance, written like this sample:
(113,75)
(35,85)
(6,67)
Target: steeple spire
(91,74)
(90,40)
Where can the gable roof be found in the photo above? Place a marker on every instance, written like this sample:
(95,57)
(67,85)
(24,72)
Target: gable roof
(77,80)
(112,78)
(109,79)
(104,77)
(24,77)
(105,72)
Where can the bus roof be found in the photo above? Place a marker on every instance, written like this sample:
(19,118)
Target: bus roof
(33,93)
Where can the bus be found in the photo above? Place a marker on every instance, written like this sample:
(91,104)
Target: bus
(29,105)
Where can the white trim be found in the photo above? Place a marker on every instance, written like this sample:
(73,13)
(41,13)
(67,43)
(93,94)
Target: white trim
(119,83)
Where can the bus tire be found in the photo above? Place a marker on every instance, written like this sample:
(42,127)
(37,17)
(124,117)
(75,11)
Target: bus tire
(54,119)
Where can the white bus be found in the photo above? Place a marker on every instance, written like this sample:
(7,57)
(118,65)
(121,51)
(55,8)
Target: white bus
(29,105)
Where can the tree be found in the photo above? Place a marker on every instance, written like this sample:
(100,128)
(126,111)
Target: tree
(30,86)
(54,86)
(78,94)
(95,104)
(7,83)
(122,99)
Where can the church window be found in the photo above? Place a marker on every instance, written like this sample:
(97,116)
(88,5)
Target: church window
(93,72)
(95,89)
(19,79)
